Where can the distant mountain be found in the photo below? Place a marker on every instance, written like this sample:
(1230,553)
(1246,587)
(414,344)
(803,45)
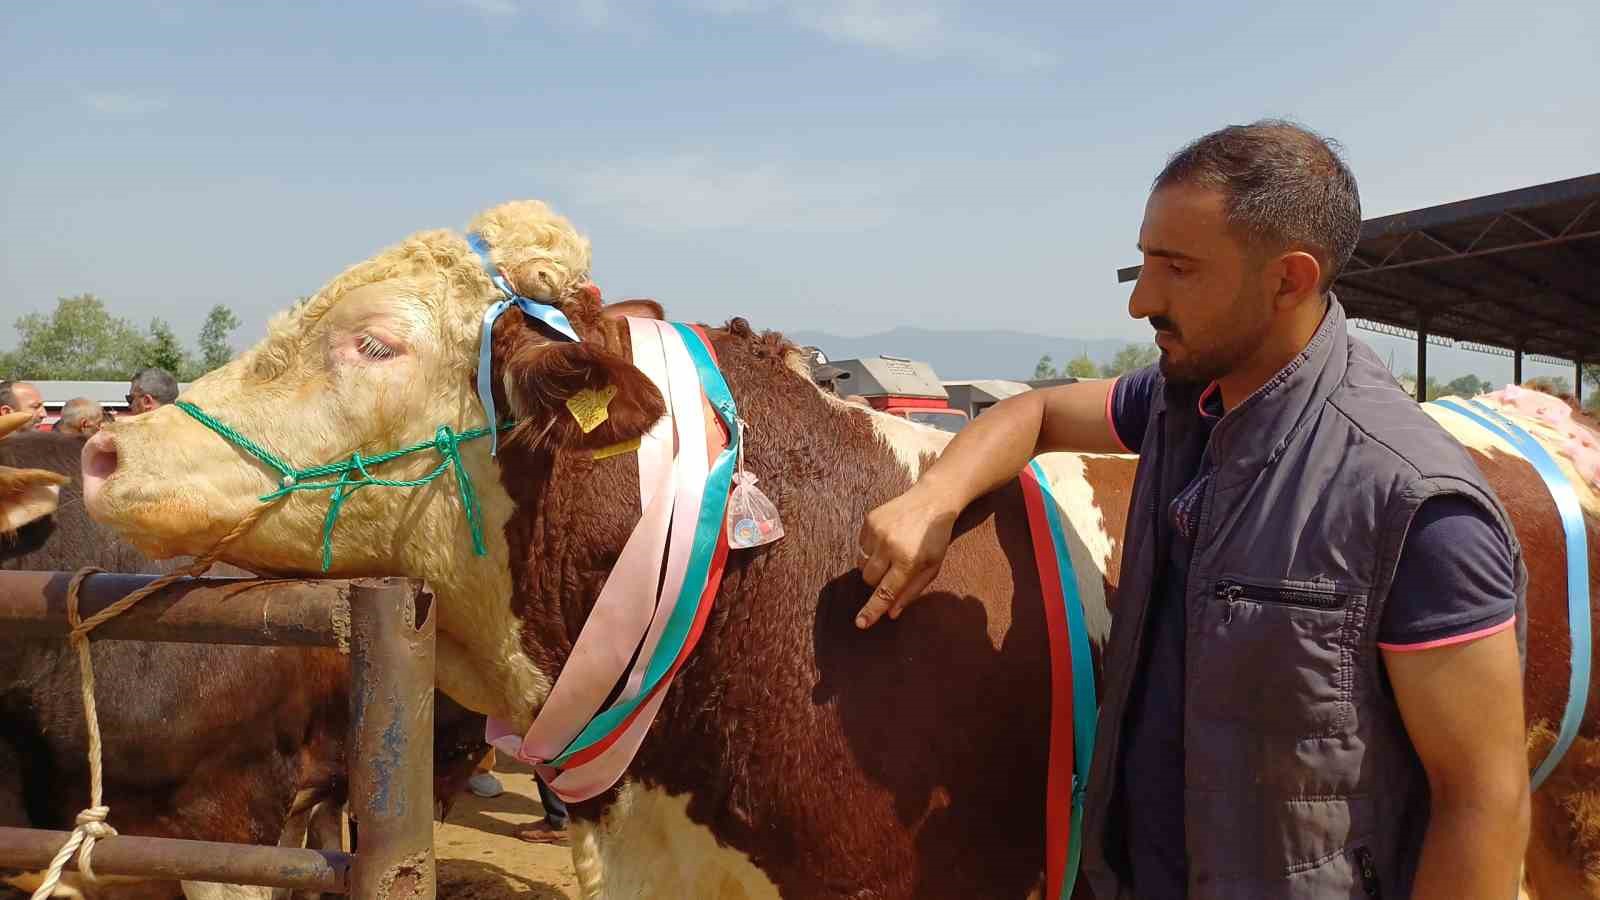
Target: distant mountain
(958,355)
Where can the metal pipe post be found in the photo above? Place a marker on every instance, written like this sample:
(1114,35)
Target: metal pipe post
(252,611)
(1516,367)
(170,859)
(1422,359)
(391,742)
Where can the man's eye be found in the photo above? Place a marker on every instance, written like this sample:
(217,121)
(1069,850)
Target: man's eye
(1177,269)
(374,349)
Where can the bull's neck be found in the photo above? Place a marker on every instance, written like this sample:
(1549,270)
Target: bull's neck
(481,663)
(823,464)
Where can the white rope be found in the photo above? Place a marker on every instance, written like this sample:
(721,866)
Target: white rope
(91,824)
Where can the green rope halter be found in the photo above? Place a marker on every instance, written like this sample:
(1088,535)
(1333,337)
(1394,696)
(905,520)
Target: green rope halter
(446,441)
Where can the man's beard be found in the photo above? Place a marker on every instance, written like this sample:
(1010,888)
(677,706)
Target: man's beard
(1206,366)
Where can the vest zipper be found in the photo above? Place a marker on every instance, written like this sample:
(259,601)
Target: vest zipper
(1231,592)
(1369,873)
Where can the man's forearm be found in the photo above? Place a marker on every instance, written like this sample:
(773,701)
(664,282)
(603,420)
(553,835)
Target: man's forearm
(987,453)
(1474,846)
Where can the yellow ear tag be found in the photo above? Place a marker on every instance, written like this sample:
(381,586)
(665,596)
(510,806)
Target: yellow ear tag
(617,449)
(588,406)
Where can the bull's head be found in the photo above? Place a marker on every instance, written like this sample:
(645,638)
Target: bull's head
(378,359)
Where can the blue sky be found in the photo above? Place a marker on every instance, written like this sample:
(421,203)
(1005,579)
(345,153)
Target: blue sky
(845,165)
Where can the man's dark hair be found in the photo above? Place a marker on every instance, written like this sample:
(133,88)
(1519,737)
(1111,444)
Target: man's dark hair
(8,396)
(157,384)
(1285,186)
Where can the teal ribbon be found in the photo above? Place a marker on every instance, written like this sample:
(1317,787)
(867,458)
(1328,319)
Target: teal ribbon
(1571,511)
(1085,707)
(708,530)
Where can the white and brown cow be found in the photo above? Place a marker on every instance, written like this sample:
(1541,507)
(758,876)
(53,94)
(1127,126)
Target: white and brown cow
(795,755)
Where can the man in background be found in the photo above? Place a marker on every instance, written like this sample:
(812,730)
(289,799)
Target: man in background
(81,416)
(149,389)
(20,396)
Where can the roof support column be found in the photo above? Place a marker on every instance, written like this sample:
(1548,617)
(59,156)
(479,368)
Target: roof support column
(1516,366)
(1422,358)
(1577,381)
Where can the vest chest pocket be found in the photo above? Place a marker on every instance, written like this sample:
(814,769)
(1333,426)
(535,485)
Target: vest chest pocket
(1277,656)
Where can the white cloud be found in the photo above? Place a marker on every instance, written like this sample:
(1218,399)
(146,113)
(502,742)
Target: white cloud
(700,193)
(922,29)
(112,104)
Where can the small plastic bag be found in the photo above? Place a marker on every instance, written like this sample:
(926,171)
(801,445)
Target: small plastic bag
(752,518)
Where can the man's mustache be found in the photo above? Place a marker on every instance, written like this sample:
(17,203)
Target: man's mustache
(1162,323)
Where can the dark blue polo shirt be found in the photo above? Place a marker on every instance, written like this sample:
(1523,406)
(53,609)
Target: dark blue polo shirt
(1455,582)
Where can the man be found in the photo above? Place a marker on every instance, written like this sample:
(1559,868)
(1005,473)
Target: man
(1312,686)
(17,396)
(81,416)
(151,388)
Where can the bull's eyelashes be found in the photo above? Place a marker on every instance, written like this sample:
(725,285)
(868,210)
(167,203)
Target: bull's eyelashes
(374,348)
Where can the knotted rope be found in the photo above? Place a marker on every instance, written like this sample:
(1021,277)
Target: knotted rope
(446,441)
(91,824)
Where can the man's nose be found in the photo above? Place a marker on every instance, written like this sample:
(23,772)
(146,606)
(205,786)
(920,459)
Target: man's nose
(1143,302)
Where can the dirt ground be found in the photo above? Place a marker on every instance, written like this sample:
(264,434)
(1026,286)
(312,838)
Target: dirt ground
(480,860)
(477,856)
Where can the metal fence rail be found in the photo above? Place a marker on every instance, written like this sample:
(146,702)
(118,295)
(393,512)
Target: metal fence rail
(388,628)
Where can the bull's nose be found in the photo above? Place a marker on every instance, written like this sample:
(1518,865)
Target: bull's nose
(99,461)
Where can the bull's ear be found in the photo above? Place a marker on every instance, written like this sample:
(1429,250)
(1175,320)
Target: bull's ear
(561,390)
(11,421)
(637,309)
(27,495)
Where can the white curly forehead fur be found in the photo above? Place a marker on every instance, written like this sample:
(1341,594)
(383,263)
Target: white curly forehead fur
(539,252)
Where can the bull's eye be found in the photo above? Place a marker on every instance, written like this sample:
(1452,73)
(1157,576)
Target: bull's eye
(374,349)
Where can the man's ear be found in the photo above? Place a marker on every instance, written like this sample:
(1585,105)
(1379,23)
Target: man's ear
(559,389)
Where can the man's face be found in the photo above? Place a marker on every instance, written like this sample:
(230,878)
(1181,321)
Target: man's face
(28,398)
(1200,287)
(139,401)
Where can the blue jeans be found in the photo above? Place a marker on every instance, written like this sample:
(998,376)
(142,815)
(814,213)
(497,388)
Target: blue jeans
(555,812)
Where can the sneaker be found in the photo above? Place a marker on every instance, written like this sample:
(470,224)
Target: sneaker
(485,785)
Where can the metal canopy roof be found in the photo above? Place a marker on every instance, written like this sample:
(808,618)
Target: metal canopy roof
(1519,269)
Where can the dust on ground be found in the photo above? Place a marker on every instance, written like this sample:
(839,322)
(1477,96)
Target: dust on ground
(478,857)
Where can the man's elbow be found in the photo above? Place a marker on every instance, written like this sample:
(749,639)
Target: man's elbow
(1499,800)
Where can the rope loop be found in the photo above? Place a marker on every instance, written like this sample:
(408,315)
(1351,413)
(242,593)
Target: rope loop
(336,477)
(92,823)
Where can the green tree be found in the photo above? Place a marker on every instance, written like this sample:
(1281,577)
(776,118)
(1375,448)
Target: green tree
(1129,358)
(1045,368)
(165,350)
(79,340)
(214,349)
(1081,366)
(1466,386)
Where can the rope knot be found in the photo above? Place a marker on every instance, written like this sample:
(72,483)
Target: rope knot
(92,821)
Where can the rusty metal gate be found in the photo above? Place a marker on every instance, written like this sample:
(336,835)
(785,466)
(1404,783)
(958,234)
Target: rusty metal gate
(387,627)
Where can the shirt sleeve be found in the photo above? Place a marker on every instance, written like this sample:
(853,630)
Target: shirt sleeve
(1455,581)
(1128,405)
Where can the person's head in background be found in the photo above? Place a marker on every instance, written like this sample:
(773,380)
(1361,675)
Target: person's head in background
(149,389)
(81,416)
(20,396)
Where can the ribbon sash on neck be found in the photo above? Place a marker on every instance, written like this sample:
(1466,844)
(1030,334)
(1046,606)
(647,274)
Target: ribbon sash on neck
(580,748)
